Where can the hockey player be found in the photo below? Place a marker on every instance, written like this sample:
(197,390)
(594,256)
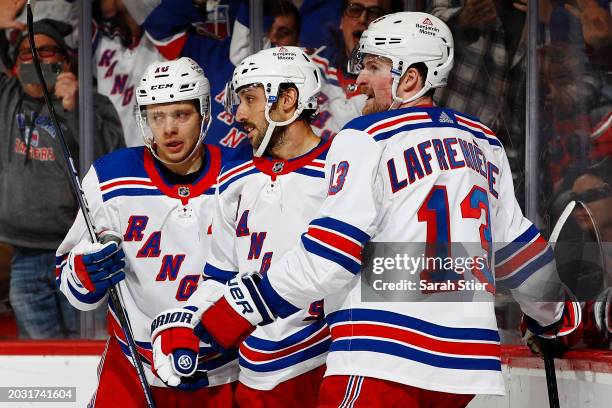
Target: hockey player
(159,200)
(263,204)
(406,172)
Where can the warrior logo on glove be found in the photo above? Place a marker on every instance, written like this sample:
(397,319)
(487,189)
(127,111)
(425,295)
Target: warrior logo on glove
(172,317)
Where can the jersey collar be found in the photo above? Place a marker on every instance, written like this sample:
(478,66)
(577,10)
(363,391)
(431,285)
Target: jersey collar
(277,167)
(183,192)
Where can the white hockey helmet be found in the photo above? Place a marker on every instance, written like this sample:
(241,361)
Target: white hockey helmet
(407,38)
(173,81)
(270,68)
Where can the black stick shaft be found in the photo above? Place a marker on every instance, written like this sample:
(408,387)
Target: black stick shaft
(80,195)
(551,380)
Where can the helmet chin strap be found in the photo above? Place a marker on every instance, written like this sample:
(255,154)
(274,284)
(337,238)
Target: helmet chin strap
(397,101)
(271,125)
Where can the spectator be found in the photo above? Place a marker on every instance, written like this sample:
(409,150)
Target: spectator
(587,231)
(201,30)
(592,188)
(282,23)
(601,138)
(569,92)
(60,10)
(489,79)
(36,201)
(321,19)
(339,100)
(67,11)
(577,91)
(596,25)
(286,24)
(121,54)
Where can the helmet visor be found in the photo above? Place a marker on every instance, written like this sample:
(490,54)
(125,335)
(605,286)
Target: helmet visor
(355,61)
(231,99)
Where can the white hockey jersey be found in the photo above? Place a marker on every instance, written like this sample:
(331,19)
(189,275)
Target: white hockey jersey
(118,71)
(415,175)
(263,205)
(166,232)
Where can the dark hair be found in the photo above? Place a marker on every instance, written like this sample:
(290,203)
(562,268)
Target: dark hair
(422,68)
(284,8)
(601,170)
(307,114)
(395,5)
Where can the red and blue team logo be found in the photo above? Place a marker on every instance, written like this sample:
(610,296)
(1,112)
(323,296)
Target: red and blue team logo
(34,138)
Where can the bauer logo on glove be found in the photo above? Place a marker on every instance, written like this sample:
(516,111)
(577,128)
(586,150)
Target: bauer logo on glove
(236,314)
(238,296)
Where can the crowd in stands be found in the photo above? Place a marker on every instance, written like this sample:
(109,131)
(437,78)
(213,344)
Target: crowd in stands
(489,81)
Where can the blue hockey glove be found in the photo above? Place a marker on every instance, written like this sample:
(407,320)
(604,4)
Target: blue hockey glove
(94,267)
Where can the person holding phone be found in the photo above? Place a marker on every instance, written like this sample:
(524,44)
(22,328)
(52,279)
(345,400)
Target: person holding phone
(36,202)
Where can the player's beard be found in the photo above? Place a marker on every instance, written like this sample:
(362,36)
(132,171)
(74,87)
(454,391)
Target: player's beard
(277,139)
(372,105)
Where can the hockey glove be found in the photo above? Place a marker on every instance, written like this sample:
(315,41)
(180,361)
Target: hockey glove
(234,317)
(176,348)
(556,338)
(598,320)
(94,267)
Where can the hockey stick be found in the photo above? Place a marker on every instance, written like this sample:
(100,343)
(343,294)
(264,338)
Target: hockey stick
(549,360)
(551,378)
(76,187)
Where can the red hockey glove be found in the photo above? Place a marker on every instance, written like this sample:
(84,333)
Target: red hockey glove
(557,337)
(176,348)
(235,315)
(598,320)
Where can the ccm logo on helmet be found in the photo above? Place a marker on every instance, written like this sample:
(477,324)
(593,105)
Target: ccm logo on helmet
(161,86)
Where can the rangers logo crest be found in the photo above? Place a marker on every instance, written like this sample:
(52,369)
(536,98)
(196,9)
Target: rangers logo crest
(277,167)
(183,191)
